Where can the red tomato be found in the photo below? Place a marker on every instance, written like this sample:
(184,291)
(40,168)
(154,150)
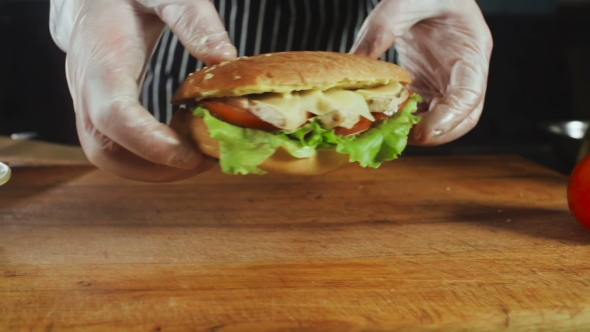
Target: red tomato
(359,127)
(237,116)
(578,192)
(379,116)
(364,124)
(405,103)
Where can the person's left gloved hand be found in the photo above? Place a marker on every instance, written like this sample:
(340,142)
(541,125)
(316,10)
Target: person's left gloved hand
(446,47)
(109,44)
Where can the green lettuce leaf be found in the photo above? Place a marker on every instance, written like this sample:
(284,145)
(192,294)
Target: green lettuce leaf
(384,142)
(243,150)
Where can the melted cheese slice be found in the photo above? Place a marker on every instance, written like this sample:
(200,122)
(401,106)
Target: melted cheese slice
(333,108)
(394,89)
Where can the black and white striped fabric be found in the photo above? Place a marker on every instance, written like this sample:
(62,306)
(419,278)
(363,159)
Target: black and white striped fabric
(259,26)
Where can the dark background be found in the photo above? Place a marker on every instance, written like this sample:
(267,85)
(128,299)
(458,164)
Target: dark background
(539,72)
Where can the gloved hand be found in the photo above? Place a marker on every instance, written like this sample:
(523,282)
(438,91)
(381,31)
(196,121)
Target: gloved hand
(446,46)
(109,44)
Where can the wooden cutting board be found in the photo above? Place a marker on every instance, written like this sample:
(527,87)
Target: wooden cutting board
(425,243)
(34,152)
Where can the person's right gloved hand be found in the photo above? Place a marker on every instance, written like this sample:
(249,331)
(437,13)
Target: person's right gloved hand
(109,44)
(446,47)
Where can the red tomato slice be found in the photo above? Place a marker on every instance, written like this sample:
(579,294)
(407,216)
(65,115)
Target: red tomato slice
(578,192)
(380,116)
(237,116)
(405,103)
(363,125)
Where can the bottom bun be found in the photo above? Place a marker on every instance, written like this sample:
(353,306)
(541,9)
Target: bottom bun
(324,161)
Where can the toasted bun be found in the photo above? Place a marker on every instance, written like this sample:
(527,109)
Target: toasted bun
(281,162)
(286,72)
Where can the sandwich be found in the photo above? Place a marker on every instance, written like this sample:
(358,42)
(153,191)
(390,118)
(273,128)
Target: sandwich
(302,112)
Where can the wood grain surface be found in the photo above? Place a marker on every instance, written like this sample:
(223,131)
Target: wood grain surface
(34,152)
(423,244)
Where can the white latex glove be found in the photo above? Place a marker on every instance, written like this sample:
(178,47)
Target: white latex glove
(446,46)
(109,44)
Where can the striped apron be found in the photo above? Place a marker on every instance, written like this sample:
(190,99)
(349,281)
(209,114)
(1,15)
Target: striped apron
(258,26)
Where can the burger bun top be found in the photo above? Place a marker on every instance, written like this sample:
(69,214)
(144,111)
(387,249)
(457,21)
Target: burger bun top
(286,72)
